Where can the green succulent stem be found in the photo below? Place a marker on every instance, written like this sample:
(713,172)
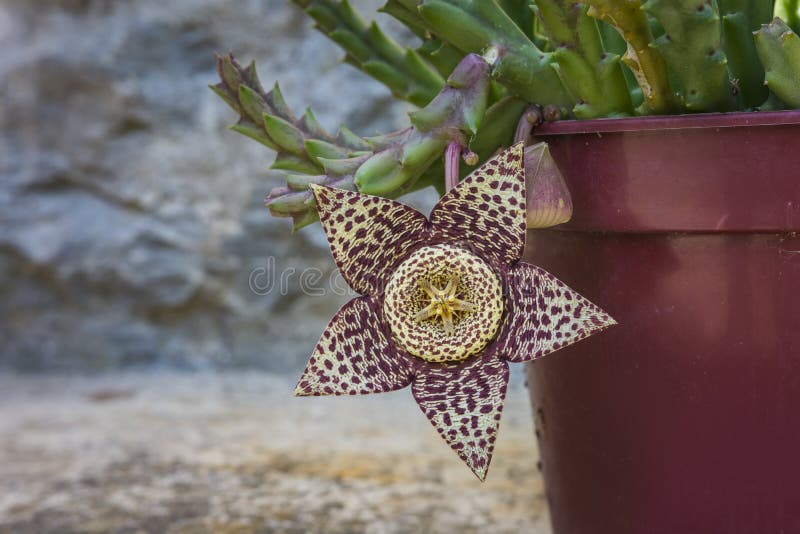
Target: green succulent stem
(387,165)
(740,18)
(404,71)
(691,45)
(779,49)
(482,27)
(644,60)
(593,77)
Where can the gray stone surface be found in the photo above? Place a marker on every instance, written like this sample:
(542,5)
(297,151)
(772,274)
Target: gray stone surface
(131,220)
(233,453)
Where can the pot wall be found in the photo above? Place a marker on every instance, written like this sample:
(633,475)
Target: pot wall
(686,416)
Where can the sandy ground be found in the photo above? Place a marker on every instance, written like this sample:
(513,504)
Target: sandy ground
(235,452)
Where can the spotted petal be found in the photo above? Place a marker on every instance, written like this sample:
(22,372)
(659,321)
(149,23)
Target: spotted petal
(487,209)
(545,315)
(464,403)
(368,235)
(354,356)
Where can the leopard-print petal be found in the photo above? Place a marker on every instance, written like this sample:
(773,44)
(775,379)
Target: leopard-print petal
(487,209)
(354,356)
(544,315)
(464,403)
(368,235)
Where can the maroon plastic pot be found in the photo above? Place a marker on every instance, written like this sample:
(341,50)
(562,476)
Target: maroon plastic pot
(684,418)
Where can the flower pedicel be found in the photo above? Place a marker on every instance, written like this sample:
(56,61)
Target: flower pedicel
(445,304)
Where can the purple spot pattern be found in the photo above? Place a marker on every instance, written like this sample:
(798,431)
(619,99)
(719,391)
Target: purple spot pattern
(354,356)
(544,315)
(464,403)
(487,208)
(368,235)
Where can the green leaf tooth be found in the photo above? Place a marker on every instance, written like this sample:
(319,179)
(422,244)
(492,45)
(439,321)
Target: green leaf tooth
(379,174)
(322,149)
(308,123)
(381,142)
(351,139)
(230,73)
(300,182)
(275,101)
(253,104)
(342,167)
(253,131)
(221,91)
(251,77)
(355,47)
(324,16)
(407,16)
(385,47)
(290,162)
(285,134)
(350,16)
(288,203)
(301,220)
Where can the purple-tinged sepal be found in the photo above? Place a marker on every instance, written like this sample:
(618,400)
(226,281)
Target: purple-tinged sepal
(549,202)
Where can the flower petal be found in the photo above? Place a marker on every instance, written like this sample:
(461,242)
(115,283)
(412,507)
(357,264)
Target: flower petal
(368,235)
(354,356)
(545,315)
(487,209)
(464,403)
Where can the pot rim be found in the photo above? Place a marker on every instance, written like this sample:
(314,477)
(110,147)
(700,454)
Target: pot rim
(736,119)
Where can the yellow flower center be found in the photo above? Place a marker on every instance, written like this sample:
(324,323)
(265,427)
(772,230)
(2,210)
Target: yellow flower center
(443,304)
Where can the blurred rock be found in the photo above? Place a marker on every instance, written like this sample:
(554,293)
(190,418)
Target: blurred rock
(131,220)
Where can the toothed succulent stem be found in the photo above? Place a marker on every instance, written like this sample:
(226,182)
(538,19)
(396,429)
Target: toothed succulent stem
(369,49)
(482,27)
(779,49)
(691,45)
(647,65)
(396,163)
(740,18)
(593,76)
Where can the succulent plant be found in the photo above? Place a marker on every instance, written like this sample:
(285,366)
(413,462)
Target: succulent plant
(480,65)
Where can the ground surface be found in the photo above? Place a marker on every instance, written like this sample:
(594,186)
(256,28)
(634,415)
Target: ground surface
(235,453)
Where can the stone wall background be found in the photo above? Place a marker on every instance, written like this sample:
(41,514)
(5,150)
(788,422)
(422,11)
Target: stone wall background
(130,218)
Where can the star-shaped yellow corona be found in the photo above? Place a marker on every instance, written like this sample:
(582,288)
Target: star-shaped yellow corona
(444,304)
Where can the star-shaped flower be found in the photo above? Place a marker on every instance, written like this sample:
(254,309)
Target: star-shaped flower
(446,303)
